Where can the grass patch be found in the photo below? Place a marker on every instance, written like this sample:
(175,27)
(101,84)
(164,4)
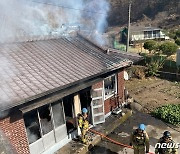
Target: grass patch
(168,113)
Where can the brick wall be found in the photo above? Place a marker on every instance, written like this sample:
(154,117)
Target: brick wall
(107,106)
(98,85)
(121,84)
(110,103)
(14,129)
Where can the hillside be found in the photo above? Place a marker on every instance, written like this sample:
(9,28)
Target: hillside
(146,12)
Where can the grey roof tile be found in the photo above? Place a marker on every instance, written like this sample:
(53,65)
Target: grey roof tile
(39,66)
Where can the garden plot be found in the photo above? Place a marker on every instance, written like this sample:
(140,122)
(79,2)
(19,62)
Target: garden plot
(153,92)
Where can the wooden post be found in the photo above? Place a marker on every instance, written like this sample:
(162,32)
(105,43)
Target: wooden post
(77,109)
(129,21)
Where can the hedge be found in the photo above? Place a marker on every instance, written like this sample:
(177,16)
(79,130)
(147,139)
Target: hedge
(168,113)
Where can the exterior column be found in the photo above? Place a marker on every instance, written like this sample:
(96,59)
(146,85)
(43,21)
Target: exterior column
(77,109)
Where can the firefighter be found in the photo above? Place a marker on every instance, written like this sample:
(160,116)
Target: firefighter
(139,140)
(83,125)
(166,139)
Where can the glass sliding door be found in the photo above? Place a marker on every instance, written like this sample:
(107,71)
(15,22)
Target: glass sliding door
(33,132)
(59,121)
(46,126)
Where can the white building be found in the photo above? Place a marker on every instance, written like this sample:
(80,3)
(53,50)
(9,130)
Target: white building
(146,33)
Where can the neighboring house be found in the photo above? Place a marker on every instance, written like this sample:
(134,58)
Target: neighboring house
(44,84)
(143,33)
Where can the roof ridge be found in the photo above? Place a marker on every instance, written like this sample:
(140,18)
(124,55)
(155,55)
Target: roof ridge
(92,42)
(33,38)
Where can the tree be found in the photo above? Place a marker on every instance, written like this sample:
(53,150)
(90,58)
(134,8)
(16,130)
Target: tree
(178,33)
(150,45)
(177,41)
(154,65)
(168,48)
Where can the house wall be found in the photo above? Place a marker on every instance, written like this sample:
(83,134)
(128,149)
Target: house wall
(121,84)
(98,85)
(108,103)
(14,129)
(137,37)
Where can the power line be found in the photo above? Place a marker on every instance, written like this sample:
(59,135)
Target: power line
(66,7)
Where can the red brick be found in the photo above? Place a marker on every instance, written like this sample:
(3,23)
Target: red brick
(14,129)
(98,85)
(121,84)
(108,103)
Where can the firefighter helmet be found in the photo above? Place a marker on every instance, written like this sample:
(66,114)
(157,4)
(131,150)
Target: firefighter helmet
(84,110)
(142,127)
(166,134)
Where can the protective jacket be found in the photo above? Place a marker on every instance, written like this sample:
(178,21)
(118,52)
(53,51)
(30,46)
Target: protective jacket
(140,141)
(83,122)
(160,150)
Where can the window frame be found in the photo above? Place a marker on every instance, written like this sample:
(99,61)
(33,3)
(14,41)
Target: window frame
(109,96)
(52,121)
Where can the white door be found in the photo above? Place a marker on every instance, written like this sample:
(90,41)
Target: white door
(97,106)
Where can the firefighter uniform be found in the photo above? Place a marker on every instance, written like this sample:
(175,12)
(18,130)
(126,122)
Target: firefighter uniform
(84,126)
(165,150)
(140,141)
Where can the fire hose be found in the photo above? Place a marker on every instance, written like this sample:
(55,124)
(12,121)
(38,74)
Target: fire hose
(113,141)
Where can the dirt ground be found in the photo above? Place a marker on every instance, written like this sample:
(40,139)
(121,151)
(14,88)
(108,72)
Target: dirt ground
(153,92)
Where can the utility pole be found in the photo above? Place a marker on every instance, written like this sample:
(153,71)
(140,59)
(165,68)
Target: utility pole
(129,21)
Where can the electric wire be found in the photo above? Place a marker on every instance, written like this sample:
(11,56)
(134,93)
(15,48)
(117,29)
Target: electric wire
(67,7)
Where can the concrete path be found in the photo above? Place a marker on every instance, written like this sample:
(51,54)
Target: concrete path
(155,129)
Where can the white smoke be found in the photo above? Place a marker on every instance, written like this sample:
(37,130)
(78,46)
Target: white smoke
(21,18)
(7,72)
(28,18)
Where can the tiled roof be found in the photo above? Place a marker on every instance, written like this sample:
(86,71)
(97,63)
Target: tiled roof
(133,57)
(32,68)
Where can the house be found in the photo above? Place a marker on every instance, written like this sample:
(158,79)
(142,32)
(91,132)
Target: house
(44,84)
(143,33)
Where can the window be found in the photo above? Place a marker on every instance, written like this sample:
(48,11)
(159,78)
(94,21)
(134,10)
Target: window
(45,119)
(58,115)
(145,34)
(39,122)
(110,85)
(32,126)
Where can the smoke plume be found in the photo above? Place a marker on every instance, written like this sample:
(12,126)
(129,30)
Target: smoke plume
(25,18)
(28,18)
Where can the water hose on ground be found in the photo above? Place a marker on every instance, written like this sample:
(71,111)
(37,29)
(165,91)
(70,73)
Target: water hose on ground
(113,141)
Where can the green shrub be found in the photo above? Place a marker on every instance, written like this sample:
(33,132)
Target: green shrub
(154,65)
(178,33)
(177,41)
(168,113)
(168,48)
(150,45)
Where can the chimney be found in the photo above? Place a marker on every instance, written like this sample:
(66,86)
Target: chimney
(108,51)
